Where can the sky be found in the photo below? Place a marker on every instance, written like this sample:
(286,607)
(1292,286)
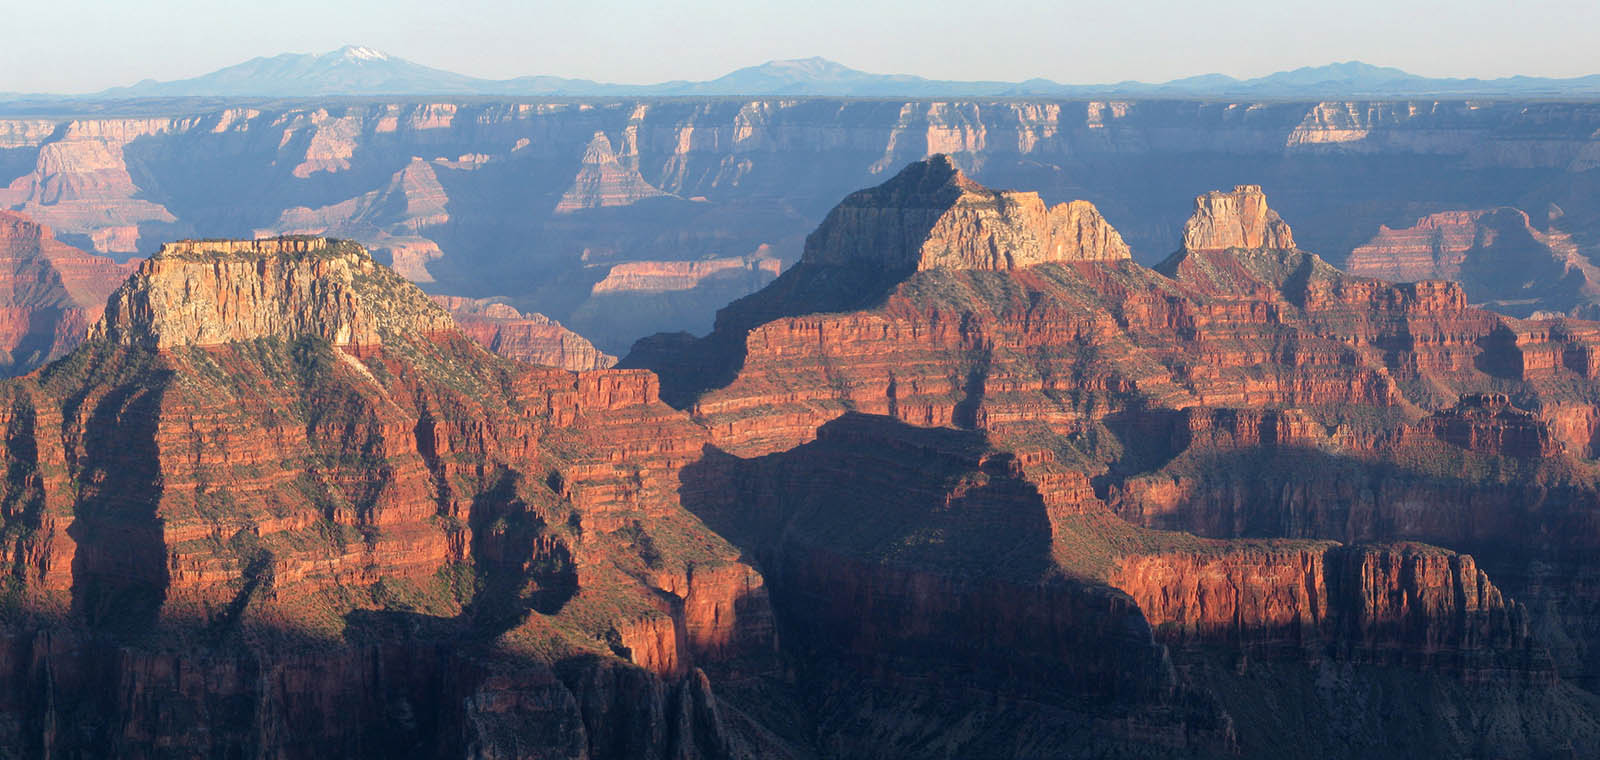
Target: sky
(88,45)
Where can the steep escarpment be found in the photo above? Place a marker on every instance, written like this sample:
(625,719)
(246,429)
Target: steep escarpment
(1498,255)
(964,481)
(931,216)
(1246,392)
(1402,604)
(277,478)
(930,556)
(928,218)
(1238,219)
(525,200)
(53,292)
(533,338)
(637,298)
(391,220)
(203,293)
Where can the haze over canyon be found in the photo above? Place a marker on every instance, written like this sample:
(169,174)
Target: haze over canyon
(387,420)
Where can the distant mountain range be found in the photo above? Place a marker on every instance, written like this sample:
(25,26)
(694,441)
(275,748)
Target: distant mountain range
(354,70)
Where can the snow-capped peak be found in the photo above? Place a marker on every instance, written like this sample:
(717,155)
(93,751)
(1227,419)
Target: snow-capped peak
(361,53)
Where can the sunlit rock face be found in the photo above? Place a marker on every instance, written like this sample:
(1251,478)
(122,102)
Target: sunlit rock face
(206,293)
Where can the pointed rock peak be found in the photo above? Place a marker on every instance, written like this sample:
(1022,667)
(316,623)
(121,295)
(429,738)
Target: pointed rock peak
(603,181)
(1240,219)
(934,182)
(208,292)
(599,150)
(932,216)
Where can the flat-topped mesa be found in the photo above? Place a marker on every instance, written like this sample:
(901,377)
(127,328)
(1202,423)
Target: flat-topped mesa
(1240,219)
(931,216)
(209,292)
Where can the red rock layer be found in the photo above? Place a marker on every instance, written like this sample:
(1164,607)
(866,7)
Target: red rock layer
(1187,398)
(1498,254)
(51,293)
(1403,604)
(253,479)
(533,338)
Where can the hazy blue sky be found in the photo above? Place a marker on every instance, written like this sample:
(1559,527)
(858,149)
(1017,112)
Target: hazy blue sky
(84,45)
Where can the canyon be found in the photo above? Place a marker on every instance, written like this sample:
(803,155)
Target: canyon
(277,478)
(965,479)
(557,206)
(1287,471)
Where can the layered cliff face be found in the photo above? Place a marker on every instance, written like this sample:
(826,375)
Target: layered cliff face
(931,216)
(53,292)
(533,338)
(1247,392)
(640,297)
(520,199)
(278,446)
(602,181)
(1001,490)
(1498,255)
(206,293)
(1404,604)
(392,220)
(1240,219)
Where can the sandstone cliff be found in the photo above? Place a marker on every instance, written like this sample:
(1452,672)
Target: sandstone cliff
(52,292)
(274,446)
(931,216)
(533,338)
(202,293)
(966,489)
(1247,392)
(1498,255)
(1240,219)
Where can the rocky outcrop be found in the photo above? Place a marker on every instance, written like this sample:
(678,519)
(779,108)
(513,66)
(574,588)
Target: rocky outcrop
(200,292)
(1238,219)
(603,182)
(533,338)
(954,480)
(52,293)
(1405,604)
(660,276)
(1258,396)
(1498,255)
(931,216)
